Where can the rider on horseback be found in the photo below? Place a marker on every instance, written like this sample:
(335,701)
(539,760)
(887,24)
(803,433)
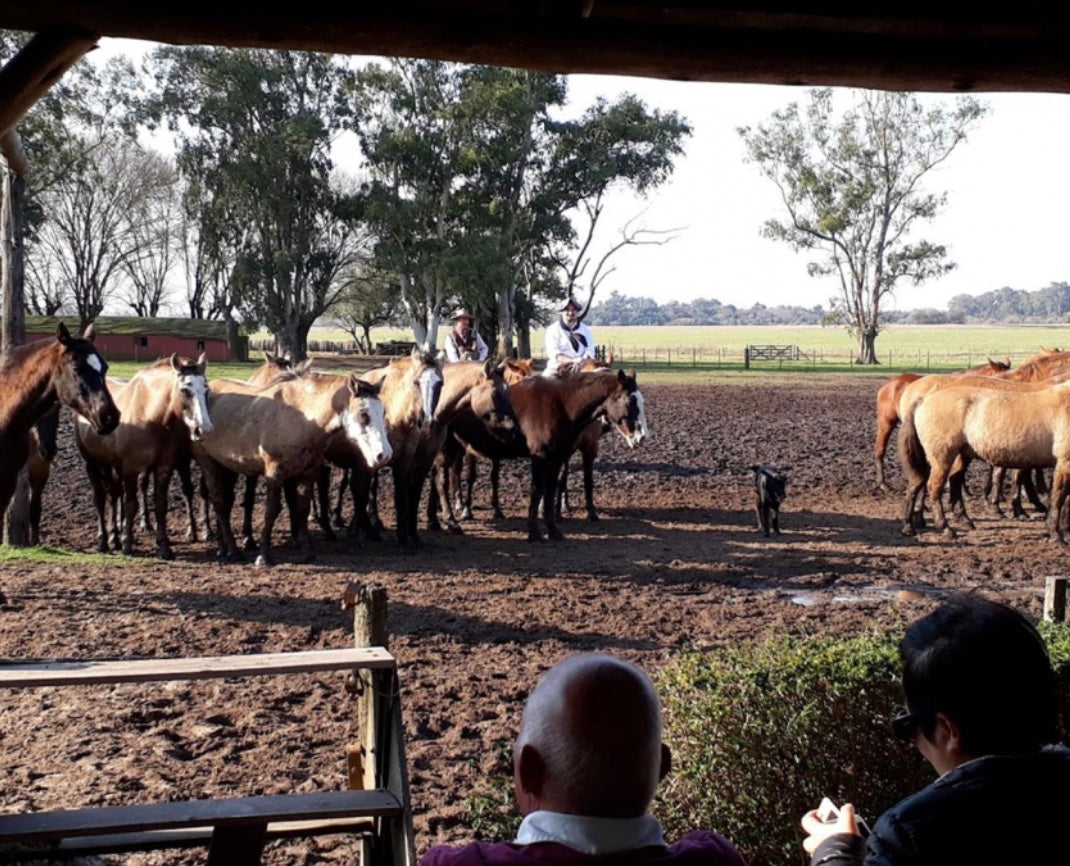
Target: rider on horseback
(463,342)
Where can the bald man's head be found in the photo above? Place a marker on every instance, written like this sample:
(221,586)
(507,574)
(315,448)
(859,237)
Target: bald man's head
(590,740)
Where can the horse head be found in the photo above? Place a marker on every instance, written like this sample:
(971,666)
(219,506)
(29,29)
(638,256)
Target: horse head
(427,379)
(191,387)
(514,371)
(626,410)
(79,380)
(364,422)
(490,401)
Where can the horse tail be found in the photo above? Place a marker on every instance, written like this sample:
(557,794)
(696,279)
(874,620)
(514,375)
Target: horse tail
(912,459)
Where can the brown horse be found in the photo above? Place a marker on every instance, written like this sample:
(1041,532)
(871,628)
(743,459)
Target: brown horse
(164,406)
(1005,427)
(280,431)
(33,379)
(552,412)
(888,417)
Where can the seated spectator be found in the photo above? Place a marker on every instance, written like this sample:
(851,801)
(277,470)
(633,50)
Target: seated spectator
(585,766)
(981,700)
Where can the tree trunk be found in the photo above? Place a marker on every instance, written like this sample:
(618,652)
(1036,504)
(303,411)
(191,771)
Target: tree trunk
(237,350)
(294,339)
(867,347)
(505,323)
(12,275)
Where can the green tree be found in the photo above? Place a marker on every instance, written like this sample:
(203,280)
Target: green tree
(371,300)
(254,130)
(852,189)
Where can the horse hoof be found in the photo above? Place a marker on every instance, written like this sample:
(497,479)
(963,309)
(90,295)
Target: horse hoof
(337,522)
(555,534)
(498,514)
(102,545)
(234,555)
(535,537)
(328,534)
(948,532)
(908,530)
(455,529)
(250,544)
(128,550)
(592,517)
(165,553)
(263,561)
(466,514)
(191,535)
(434,526)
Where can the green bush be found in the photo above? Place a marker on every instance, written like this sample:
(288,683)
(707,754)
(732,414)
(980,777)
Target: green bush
(760,733)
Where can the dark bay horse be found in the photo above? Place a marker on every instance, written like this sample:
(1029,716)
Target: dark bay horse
(33,379)
(280,431)
(43,445)
(164,407)
(552,413)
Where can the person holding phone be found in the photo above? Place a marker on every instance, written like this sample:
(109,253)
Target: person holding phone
(982,709)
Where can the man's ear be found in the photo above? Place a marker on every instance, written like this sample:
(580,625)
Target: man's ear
(666,762)
(529,776)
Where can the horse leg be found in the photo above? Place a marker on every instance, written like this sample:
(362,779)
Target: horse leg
(185,482)
(470,462)
(220,483)
(360,484)
(436,494)
(271,512)
(538,484)
(323,499)
(937,479)
(1032,490)
(95,472)
(406,541)
(38,477)
(1057,501)
(162,485)
(248,503)
(957,487)
(552,473)
(561,502)
(994,489)
(589,454)
(130,498)
(143,501)
(289,492)
(885,426)
(372,503)
(300,505)
(206,509)
(1039,481)
(495,476)
(343,485)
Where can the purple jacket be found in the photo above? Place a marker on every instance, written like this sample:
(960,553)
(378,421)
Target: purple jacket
(698,848)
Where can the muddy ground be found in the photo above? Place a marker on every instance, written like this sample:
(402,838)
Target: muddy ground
(676,560)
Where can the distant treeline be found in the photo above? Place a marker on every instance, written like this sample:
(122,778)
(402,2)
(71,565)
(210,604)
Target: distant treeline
(1002,305)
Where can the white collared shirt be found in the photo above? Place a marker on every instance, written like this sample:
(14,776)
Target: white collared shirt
(558,343)
(590,835)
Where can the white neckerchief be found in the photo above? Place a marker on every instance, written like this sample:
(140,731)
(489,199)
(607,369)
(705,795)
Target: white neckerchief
(590,835)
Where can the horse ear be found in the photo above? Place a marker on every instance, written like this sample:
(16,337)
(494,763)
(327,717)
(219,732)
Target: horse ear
(63,335)
(489,368)
(202,360)
(175,363)
(90,332)
(304,366)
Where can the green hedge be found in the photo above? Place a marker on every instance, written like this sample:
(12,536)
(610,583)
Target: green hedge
(761,732)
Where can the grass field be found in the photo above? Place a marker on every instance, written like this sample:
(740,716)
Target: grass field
(671,349)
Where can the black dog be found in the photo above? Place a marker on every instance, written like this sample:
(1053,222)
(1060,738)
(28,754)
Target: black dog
(769,488)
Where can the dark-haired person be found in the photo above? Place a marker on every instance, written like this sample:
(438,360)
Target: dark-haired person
(981,708)
(585,766)
(568,340)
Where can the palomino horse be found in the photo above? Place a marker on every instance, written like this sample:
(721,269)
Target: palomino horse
(410,389)
(1004,427)
(33,379)
(280,431)
(552,412)
(468,388)
(888,408)
(164,407)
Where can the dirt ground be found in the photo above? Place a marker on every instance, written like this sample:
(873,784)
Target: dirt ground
(676,560)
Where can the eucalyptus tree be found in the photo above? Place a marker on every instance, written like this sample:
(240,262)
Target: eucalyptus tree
(254,130)
(473,182)
(853,191)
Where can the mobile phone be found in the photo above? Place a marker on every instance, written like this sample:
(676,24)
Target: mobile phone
(828,813)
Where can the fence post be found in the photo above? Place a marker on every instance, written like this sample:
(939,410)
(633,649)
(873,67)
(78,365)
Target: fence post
(746,357)
(1055,598)
(693,362)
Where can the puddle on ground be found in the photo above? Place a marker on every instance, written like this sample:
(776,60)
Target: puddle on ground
(809,599)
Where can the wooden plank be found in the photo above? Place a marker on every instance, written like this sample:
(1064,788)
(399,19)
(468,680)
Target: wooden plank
(92,672)
(236,812)
(237,846)
(187,837)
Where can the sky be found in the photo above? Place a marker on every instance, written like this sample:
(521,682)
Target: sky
(1006,222)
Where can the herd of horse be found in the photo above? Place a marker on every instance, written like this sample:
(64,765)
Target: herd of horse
(290,425)
(1016,419)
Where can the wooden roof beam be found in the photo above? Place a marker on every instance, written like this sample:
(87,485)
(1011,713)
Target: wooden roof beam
(40,63)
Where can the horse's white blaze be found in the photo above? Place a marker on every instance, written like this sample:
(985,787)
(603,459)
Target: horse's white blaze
(430,388)
(95,362)
(643,432)
(369,438)
(195,415)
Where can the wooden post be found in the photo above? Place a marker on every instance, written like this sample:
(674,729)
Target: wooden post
(1055,598)
(746,357)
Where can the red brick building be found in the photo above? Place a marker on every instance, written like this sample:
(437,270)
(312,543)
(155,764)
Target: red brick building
(131,338)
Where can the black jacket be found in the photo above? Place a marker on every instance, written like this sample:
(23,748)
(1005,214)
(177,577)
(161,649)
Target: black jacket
(1006,810)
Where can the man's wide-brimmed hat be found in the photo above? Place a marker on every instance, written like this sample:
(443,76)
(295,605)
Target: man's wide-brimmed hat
(463,314)
(569,302)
